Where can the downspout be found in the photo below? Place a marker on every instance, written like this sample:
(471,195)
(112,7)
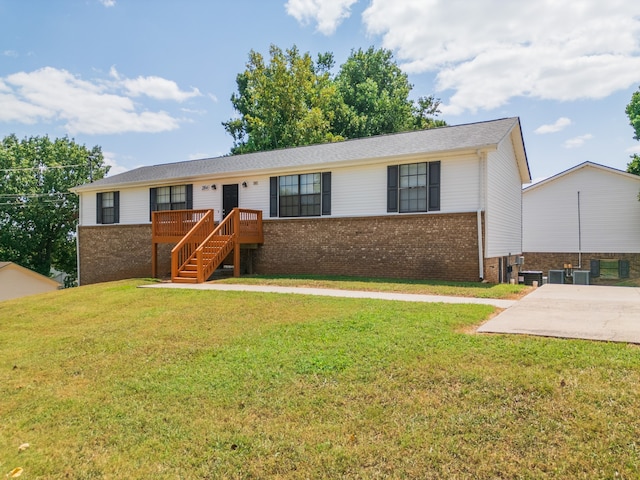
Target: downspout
(482,156)
(480,247)
(78,253)
(579,235)
(78,239)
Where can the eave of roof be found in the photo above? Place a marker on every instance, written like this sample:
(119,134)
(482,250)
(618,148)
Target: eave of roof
(31,273)
(580,166)
(440,141)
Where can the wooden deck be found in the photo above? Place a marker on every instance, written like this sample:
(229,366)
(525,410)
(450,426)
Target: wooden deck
(201,245)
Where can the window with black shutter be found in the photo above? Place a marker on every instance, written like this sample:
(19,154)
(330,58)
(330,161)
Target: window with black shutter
(413,187)
(304,195)
(175,197)
(108,207)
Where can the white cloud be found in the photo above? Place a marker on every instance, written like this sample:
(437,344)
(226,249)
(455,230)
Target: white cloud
(559,125)
(577,141)
(198,156)
(158,88)
(108,3)
(488,51)
(328,14)
(110,159)
(10,53)
(633,150)
(93,107)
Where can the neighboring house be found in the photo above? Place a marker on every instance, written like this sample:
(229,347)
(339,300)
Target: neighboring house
(587,216)
(430,204)
(17,281)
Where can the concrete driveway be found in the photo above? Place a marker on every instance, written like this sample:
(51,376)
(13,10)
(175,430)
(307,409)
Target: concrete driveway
(573,311)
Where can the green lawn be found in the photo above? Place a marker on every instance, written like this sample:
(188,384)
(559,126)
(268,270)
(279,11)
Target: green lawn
(112,381)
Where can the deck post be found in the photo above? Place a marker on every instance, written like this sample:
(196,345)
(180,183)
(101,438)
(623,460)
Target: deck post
(236,242)
(154,259)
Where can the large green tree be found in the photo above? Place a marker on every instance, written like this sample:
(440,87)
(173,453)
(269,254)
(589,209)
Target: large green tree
(292,100)
(376,93)
(286,102)
(38,214)
(633,112)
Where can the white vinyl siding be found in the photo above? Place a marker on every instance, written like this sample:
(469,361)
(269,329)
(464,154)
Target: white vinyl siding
(359,191)
(355,191)
(609,213)
(503,220)
(134,205)
(460,185)
(88,204)
(255,196)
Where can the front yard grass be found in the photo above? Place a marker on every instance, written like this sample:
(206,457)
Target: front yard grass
(424,287)
(113,381)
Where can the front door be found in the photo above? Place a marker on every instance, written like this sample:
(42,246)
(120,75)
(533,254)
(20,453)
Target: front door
(229,198)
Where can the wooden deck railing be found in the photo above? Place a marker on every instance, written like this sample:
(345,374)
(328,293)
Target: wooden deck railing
(171,225)
(250,223)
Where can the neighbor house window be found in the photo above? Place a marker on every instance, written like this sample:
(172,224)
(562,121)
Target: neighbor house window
(305,195)
(413,187)
(176,197)
(108,207)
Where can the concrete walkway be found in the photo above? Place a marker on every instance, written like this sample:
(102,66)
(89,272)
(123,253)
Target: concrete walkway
(573,311)
(327,292)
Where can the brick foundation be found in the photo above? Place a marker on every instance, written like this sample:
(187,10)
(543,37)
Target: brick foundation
(399,246)
(556,261)
(434,246)
(115,252)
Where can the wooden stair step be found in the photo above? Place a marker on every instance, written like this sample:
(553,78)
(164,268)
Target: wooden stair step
(184,280)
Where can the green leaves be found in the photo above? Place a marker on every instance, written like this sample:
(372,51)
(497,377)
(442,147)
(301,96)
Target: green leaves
(633,112)
(292,101)
(38,213)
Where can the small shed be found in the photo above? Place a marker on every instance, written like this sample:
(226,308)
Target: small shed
(17,281)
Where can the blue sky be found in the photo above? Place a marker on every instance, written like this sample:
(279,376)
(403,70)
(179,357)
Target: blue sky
(150,80)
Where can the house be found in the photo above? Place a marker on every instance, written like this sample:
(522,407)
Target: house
(17,281)
(587,216)
(431,204)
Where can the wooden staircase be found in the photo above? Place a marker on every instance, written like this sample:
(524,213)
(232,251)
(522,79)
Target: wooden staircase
(204,248)
(220,246)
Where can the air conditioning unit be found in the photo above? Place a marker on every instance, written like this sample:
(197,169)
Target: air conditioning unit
(581,277)
(520,260)
(556,276)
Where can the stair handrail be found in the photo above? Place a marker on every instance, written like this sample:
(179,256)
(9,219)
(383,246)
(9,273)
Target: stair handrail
(186,248)
(224,228)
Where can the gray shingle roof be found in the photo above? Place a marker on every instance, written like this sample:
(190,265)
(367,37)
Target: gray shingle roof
(468,136)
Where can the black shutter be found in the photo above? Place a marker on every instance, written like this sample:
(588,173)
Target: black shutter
(434,186)
(190,196)
(392,188)
(623,268)
(153,206)
(326,193)
(595,267)
(273,196)
(98,208)
(116,207)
